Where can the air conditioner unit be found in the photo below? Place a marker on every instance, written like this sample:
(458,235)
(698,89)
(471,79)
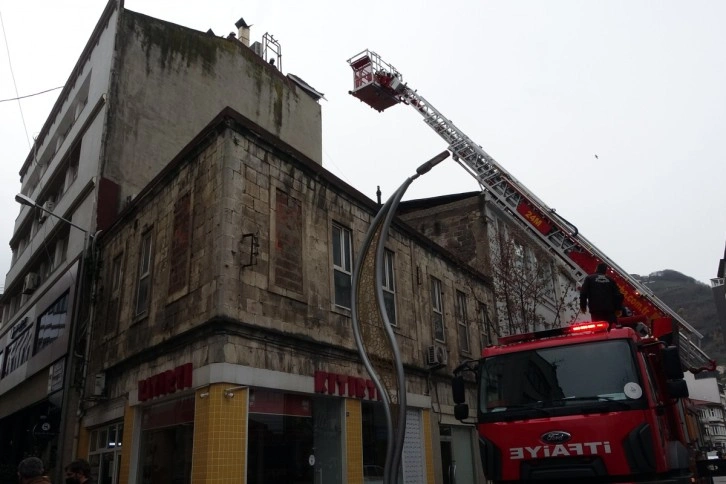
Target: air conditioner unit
(30,283)
(99,384)
(257,48)
(436,355)
(49,206)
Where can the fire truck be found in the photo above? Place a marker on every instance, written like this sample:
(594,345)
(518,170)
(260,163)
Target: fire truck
(583,403)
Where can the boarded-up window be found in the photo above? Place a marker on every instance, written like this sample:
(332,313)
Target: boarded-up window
(179,255)
(288,242)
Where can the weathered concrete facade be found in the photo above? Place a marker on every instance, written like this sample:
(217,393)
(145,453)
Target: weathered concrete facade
(241,286)
(169,76)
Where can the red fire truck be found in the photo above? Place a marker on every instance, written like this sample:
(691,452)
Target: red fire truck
(584,403)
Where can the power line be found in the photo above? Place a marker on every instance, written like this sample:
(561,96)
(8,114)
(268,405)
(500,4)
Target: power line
(7,48)
(31,95)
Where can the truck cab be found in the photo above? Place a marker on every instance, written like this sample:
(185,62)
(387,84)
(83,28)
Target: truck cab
(583,403)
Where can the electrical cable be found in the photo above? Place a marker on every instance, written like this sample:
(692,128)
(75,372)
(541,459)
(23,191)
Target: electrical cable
(12,74)
(31,95)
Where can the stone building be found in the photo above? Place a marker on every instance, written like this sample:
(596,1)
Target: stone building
(141,89)
(223,347)
(478,232)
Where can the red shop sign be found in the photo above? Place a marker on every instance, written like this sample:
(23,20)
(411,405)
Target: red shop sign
(344,385)
(166,382)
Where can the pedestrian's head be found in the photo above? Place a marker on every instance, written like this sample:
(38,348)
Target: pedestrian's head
(601,268)
(30,468)
(78,471)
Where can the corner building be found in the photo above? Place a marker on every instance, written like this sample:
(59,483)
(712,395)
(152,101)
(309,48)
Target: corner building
(140,90)
(222,336)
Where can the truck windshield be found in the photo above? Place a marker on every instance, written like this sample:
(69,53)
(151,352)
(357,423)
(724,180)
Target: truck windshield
(588,374)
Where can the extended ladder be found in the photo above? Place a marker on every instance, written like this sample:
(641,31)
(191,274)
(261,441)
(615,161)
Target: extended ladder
(381,86)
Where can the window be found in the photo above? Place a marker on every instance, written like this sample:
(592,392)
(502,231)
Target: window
(561,378)
(52,323)
(181,238)
(518,254)
(283,430)
(389,286)
(18,351)
(342,266)
(437,309)
(485,325)
(550,275)
(167,437)
(462,323)
(373,426)
(144,278)
(105,453)
(113,303)
(61,250)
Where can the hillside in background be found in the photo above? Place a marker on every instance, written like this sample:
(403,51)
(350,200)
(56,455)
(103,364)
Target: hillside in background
(693,301)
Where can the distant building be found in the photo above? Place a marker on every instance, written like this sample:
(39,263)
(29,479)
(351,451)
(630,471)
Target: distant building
(223,343)
(707,398)
(478,232)
(718,287)
(141,90)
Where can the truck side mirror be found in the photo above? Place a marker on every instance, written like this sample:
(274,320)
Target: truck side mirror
(458,389)
(677,388)
(461,411)
(672,363)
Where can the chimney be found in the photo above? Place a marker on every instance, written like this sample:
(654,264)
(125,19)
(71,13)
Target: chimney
(243,31)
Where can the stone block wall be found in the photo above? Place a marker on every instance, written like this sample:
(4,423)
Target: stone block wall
(241,237)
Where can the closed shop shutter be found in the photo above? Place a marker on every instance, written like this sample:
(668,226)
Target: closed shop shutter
(414,464)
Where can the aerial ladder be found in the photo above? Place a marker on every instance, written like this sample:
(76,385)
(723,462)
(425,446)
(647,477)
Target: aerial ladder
(380,85)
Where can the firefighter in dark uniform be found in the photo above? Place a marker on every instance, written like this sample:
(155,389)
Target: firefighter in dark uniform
(600,293)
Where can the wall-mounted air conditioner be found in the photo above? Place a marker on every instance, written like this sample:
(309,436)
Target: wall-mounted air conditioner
(30,283)
(99,384)
(49,206)
(436,355)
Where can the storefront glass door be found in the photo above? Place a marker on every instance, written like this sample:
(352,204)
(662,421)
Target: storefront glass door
(280,438)
(327,414)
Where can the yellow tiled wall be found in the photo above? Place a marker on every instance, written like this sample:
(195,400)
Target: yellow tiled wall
(129,414)
(354,441)
(220,435)
(428,446)
(83,444)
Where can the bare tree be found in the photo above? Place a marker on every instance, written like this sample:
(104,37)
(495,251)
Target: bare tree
(531,292)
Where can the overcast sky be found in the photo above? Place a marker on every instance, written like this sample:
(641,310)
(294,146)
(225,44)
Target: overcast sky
(543,87)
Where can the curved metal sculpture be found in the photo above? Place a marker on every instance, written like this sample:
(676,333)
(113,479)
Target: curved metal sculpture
(381,224)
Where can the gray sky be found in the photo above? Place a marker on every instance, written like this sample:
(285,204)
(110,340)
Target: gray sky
(543,87)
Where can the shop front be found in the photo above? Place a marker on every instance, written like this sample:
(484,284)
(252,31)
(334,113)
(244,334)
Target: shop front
(204,429)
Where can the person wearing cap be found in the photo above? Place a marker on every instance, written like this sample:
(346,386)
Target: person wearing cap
(31,470)
(601,295)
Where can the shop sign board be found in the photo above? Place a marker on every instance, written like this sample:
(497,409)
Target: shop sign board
(345,386)
(166,382)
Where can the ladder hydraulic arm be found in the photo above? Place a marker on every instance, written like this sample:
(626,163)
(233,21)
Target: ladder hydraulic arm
(381,86)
